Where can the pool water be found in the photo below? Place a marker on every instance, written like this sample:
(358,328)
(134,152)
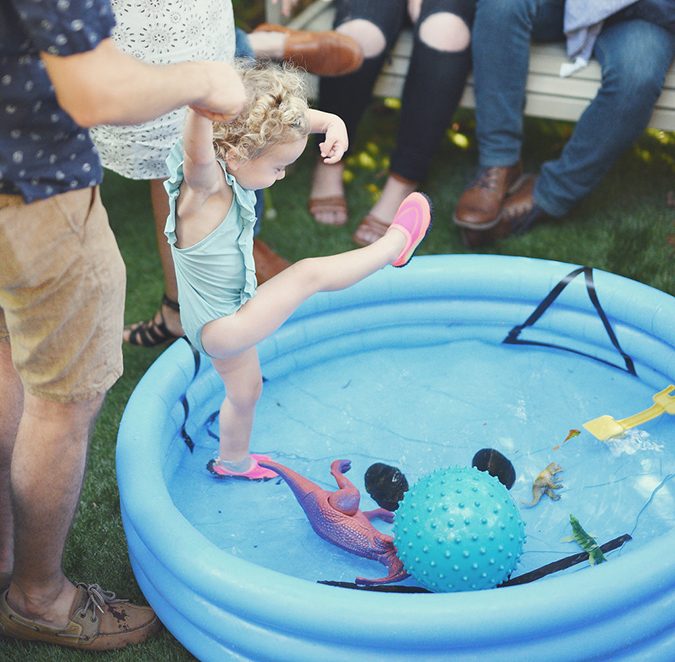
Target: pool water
(420,408)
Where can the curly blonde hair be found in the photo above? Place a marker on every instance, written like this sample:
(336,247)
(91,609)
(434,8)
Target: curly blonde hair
(275,113)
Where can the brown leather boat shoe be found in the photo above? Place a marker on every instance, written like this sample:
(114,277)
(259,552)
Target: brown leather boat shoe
(324,53)
(98,621)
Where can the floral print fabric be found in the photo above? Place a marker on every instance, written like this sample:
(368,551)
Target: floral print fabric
(162,32)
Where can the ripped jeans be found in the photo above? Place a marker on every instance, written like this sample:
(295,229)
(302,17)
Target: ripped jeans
(433,88)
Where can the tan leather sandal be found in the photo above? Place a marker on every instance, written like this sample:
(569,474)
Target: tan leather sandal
(334,204)
(370,230)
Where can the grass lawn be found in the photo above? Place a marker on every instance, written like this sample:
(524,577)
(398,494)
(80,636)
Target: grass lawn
(627,226)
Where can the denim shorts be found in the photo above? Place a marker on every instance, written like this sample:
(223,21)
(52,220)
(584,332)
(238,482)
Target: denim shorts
(62,286)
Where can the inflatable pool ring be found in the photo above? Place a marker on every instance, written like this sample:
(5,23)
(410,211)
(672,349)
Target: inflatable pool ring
(447,312)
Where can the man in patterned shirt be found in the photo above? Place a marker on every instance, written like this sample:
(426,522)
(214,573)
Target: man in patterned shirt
(62,284)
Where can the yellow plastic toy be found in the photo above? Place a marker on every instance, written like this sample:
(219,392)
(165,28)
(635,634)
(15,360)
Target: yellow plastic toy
(605,427)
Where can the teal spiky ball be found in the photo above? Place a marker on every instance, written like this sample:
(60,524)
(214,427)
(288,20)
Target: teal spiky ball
(458,529)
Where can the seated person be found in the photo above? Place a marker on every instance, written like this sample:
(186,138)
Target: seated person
(634,46)
(439,65)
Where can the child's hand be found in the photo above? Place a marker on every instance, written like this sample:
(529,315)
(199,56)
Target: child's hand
(214,117)
(336,142)
(224,96)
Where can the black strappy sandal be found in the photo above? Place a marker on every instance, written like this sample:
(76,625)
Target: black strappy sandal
(151,333)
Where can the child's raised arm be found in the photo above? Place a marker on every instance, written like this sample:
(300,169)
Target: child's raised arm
(200,170)
(336,142)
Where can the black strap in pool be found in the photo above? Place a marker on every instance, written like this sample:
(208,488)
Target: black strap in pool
(513,339)
(564,563)
(526,578)
(209,421)
(380,588)
(184,401)
(186,437)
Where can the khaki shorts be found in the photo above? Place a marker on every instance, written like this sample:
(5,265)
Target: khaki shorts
(62,285)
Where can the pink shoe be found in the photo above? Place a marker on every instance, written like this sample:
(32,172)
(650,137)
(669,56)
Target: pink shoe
(256,472)
(414,218)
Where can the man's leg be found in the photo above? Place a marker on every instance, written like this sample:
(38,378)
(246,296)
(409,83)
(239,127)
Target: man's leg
(62,311)
(46,477)
(502,34)
(634,56)
(11,406)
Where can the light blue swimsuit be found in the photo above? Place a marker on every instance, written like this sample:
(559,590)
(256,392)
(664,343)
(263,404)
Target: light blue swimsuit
(216,276)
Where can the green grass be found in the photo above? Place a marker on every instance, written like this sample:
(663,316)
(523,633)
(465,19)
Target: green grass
(625,227)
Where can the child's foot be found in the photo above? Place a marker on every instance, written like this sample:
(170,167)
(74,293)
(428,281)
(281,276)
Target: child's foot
(254,472)
(414,219)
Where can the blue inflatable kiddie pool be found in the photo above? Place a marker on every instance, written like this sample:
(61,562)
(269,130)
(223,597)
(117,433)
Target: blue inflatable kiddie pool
(419,368)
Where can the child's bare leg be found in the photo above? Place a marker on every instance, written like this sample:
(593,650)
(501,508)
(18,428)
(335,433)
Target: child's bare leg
(243,385)
(280,296)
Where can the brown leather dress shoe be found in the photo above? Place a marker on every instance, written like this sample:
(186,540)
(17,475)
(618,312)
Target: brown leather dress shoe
(479,206)
(98,621)
(519,213)
(324,53)
(267,262)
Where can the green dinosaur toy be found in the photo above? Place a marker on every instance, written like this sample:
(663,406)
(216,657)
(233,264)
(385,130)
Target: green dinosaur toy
(586,542)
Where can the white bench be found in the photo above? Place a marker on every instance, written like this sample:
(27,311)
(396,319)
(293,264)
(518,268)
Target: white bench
(548,95)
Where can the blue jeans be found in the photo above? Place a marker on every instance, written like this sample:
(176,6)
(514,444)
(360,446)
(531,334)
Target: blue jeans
(634,56)
(242,45)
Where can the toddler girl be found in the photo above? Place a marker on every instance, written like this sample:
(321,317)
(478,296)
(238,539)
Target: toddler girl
(215,171)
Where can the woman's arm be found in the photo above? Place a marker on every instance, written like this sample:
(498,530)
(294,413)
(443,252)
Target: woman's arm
(106,86)
(336,142)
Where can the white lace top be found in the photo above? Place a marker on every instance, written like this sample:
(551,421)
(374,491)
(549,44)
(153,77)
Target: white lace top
(162,32)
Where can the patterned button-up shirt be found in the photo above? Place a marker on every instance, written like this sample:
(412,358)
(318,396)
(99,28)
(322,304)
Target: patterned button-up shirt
(42,151)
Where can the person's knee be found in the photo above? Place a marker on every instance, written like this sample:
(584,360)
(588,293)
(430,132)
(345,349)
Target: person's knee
(247,393)
(78,415)
(632,80)
(317,274)
(367,34)
(500,16)
(444,31)
(309,271)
